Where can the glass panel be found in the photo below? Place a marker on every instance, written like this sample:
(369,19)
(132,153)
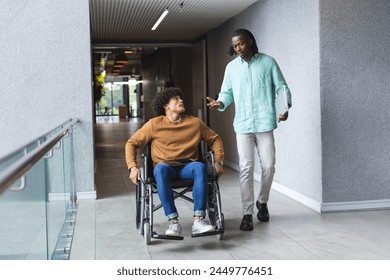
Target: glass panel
(104,106)
(117,98)
(37,221)
(133,101)
(23,218)
(117,94)
(110,102)
(65,239)
(56,198)
(60,212)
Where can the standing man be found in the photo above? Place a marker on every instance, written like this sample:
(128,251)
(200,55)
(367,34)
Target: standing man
(252,81)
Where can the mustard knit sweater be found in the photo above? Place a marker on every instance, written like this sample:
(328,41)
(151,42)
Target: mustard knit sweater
(173,140)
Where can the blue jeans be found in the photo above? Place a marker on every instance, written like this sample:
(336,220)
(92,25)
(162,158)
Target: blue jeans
(164,174)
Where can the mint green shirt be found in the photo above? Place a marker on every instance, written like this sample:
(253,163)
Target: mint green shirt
(253,88)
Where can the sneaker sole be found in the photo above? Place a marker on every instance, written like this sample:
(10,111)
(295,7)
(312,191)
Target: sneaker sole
(246,229)
(172,234)
(203,231)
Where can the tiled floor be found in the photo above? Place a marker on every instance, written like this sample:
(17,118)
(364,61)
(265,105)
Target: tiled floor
(105,228)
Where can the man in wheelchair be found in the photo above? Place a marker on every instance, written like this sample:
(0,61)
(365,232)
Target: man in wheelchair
(174,139)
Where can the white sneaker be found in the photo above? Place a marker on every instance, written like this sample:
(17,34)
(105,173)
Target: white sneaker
(201,226)
(174,229)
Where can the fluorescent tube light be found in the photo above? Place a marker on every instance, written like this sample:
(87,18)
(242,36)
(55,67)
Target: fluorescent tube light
(129,82)
(160,19)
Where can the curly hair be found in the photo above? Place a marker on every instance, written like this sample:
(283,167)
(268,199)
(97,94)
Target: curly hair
(249,35)
(162,98)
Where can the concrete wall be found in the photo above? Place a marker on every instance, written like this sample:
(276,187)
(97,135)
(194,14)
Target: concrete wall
(289,32)
(355,98)
(45,76)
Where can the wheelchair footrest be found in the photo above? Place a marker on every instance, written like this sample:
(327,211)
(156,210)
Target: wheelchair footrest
(219,231)
(161,236)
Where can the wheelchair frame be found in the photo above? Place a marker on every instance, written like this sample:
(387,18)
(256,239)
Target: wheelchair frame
(147,186)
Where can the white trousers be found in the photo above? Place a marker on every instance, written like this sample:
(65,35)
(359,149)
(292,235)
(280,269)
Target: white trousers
(247,145)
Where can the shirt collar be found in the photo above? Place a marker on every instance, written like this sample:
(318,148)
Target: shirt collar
(256,55)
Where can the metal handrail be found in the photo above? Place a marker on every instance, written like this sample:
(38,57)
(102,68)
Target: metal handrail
(36,140)
(16,170)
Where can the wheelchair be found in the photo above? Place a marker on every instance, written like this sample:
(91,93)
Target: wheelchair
(146,187)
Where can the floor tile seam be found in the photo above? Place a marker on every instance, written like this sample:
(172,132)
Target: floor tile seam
(107,175)
(317,238)
(357,233)
(328,240)
(106,181)
(109,235)
(114,179)
(378,244)
(78,213)
(117,175)
(368,239)
(385,213)
(223,245)
(295,241)
(382,254)
(125,179)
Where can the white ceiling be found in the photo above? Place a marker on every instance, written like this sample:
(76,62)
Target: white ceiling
(130,21)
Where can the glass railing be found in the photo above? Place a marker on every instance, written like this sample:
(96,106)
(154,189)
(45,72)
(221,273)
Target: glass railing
(38,198)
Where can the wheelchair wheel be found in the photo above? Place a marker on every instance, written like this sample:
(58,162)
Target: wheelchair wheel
(138,206)
(220,224)
(210,204)
(214,210)
(140,203)
(211,215)
(147,232)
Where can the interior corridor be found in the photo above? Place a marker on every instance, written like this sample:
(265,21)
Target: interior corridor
(105,227)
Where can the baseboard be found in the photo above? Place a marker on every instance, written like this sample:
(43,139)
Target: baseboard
(58,196)
(86,195)
(322,207)
(328,207)
(308,202)
(381,204)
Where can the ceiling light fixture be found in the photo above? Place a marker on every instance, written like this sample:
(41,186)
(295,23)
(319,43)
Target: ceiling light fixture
(121,58)
(163,15)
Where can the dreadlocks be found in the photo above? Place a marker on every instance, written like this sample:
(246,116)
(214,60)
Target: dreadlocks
(245,33)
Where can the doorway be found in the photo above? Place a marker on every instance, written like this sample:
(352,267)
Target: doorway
(128,77)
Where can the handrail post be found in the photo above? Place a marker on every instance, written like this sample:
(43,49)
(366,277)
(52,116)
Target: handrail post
(73,193)
(23,180)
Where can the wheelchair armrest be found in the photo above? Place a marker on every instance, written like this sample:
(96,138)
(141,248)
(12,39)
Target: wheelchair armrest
(209,161)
